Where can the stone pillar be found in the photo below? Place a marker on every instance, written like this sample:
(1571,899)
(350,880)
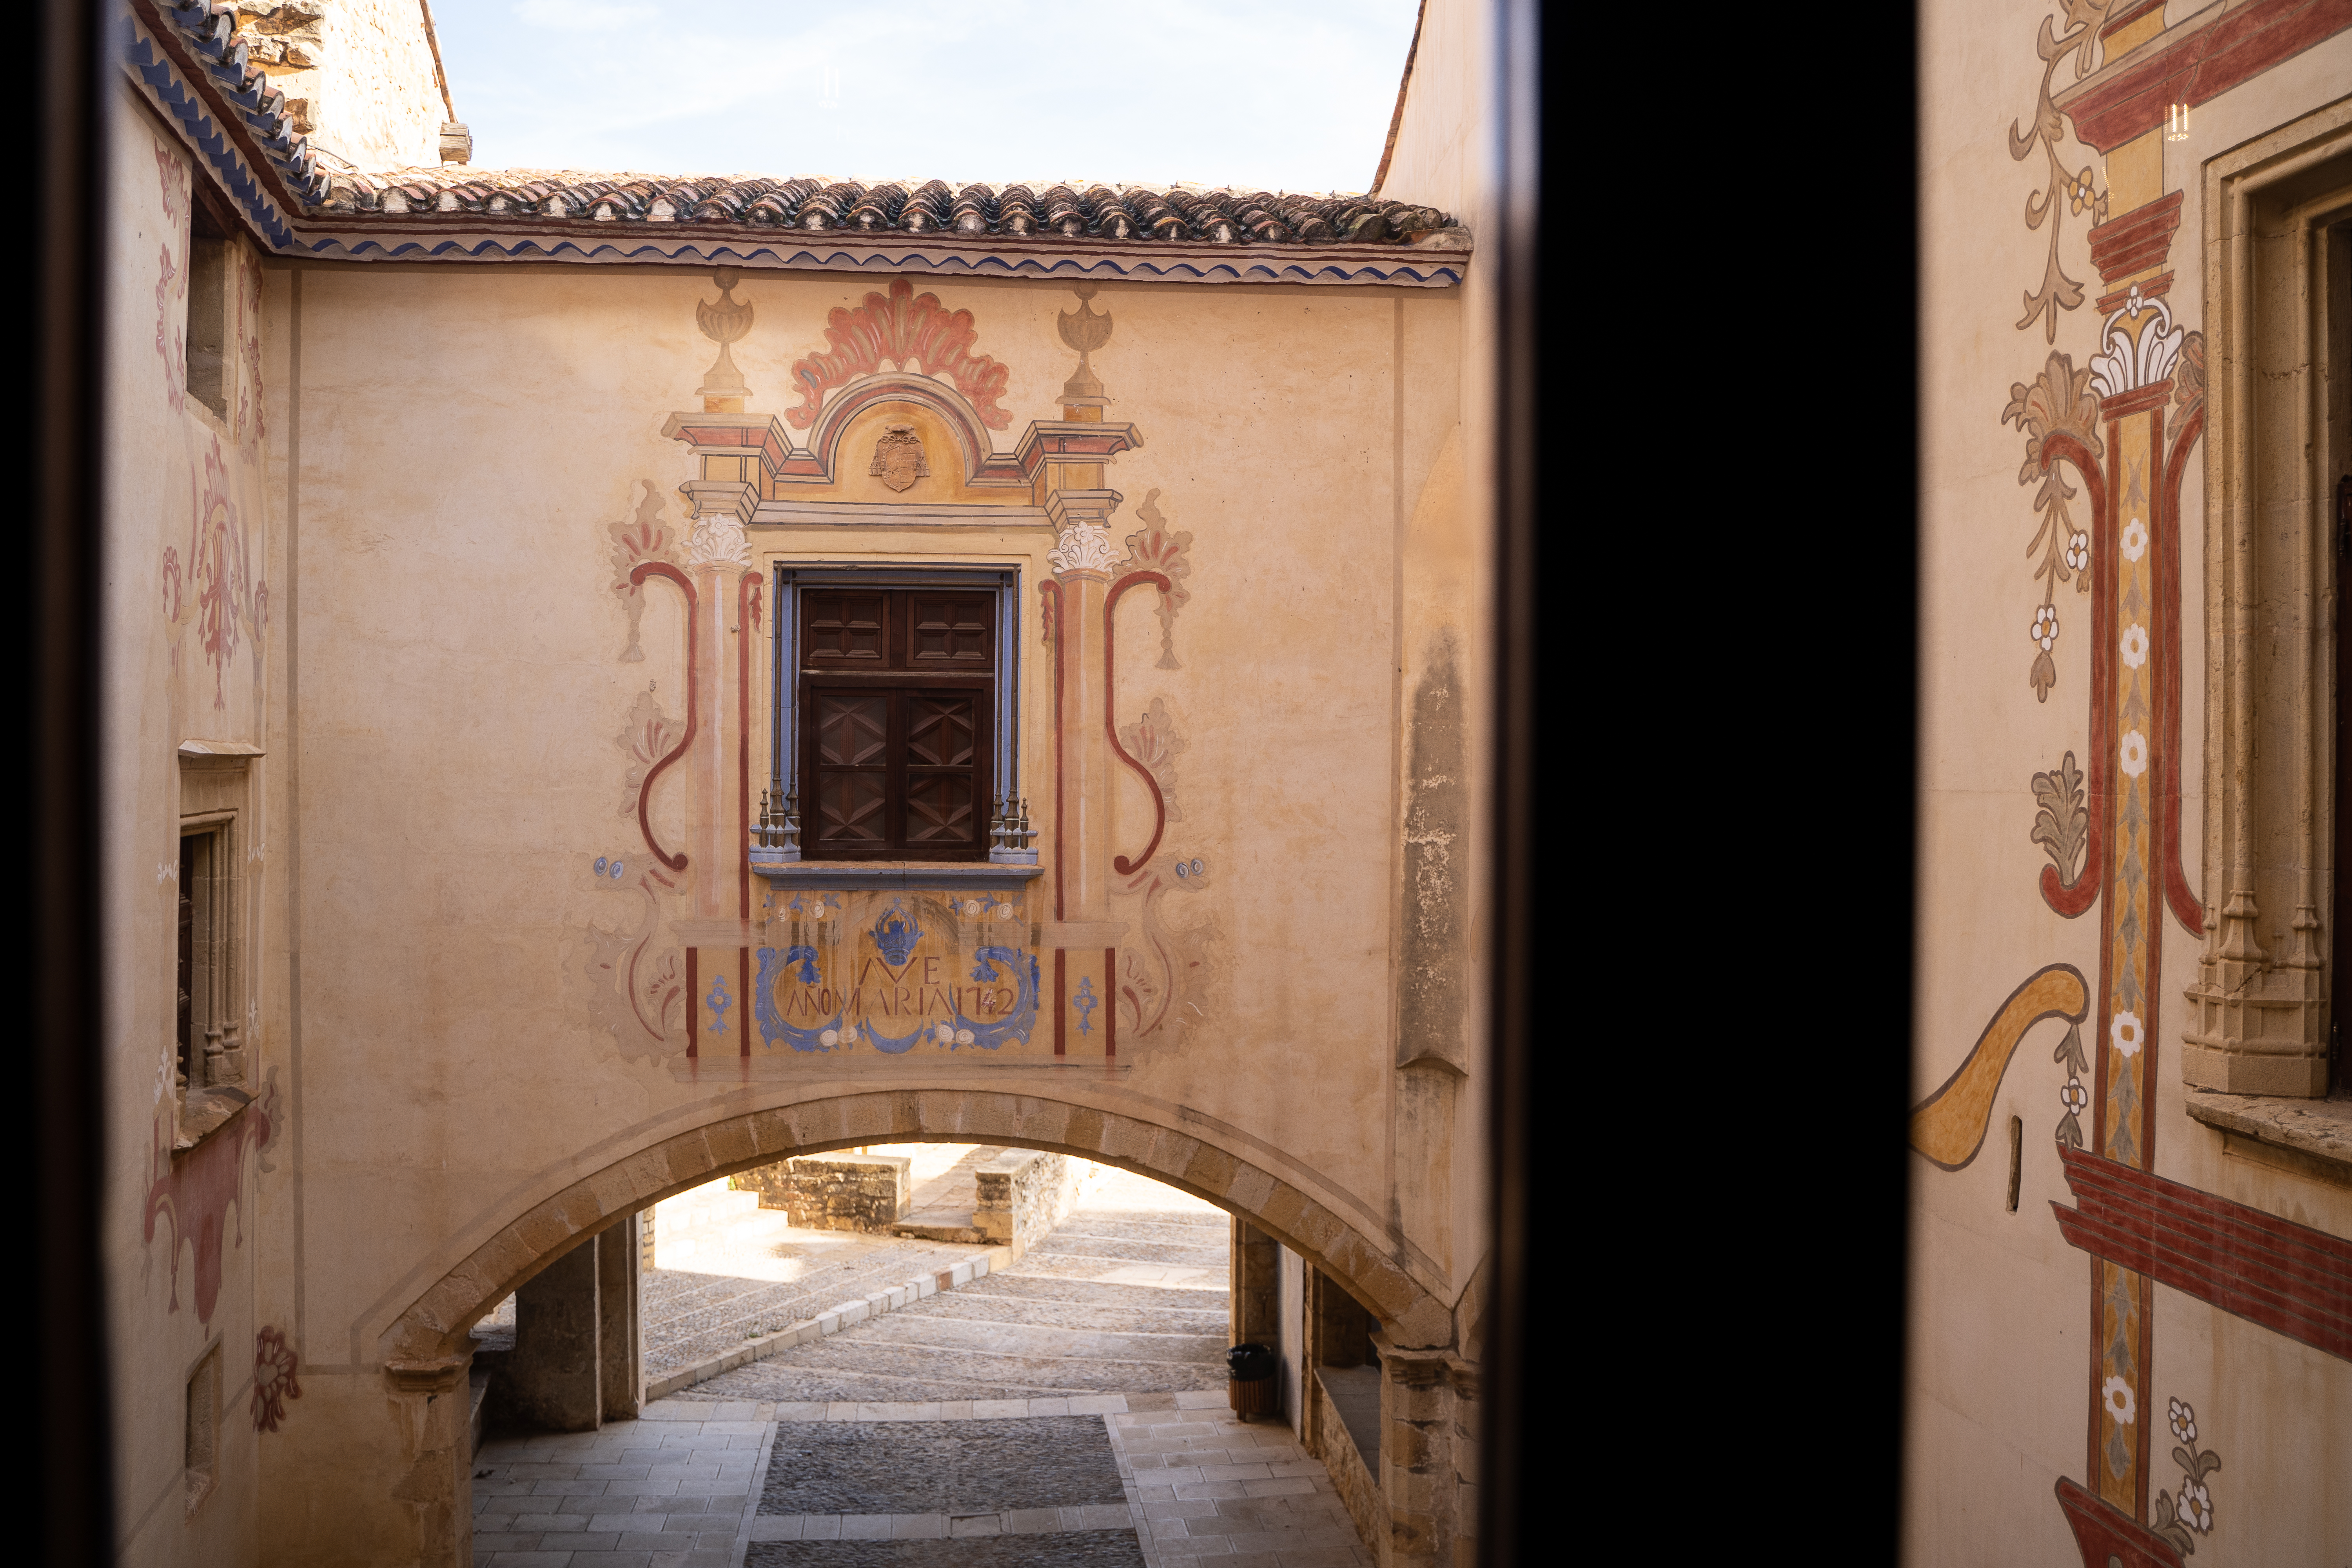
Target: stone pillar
(619,1316)
(554,1376)
(1256,1282)
(431,1404)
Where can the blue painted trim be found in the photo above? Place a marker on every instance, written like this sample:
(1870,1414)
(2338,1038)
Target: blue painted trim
(146,62)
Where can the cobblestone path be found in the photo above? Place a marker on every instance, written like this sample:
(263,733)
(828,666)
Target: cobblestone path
(1126,1296)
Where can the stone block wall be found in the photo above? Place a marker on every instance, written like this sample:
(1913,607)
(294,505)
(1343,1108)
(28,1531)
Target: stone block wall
(1022,1193)
(834,1191)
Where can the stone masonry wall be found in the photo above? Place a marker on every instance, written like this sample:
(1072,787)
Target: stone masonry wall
(358,75)
(1022,1193)
(834,1191)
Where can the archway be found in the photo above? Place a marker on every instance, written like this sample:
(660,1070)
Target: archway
(430,1336)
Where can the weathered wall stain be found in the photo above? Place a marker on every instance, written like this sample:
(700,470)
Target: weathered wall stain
(1430,1012)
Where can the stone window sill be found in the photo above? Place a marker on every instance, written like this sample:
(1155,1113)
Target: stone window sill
(205,1112)
(893,873)
(2309,1137)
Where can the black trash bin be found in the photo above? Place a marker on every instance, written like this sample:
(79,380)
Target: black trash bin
(1251,1370)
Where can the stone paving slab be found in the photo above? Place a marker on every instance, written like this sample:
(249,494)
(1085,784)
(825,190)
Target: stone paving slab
(1084,1548)
(925,1469)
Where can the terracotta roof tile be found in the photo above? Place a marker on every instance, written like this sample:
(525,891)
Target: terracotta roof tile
(1177,232)
(1134,213)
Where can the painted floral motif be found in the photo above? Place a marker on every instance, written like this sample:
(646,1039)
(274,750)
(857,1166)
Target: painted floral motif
(2134,645)
(2135,540)
(274,1382)
(2122,1405)
(2132,753)
(2193,1509)
(640,539)
(2062,824)
(1153,741)
(2128,361)
(211,584)
(2083,20)
(2125,1031)
(2074,1096)
(1155,549)
(2045,627)
(2059,415)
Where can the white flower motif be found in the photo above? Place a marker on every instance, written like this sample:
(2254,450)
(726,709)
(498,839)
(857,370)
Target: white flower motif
(2196,1506)
(1004,911)
(2078,551)
(2183,1420)
(2123,1407)
(848,1037)
(972,906)
(2075,1097)
(965,1037)
(830,1038)
(2134,754)
(2045,626)
(942,1033)
(2135,540)
(2126,1032)
(2134,645)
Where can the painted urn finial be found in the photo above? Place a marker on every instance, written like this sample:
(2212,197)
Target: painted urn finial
(1085,330)
(723,320)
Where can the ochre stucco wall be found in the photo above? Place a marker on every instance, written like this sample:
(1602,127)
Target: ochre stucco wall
(2000,1384)
(466,439)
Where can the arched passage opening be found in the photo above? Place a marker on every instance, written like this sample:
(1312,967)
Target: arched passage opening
(431,1335)
(427,1346)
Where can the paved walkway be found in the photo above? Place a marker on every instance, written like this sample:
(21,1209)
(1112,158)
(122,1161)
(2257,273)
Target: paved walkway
(1126,1296)
(1070,1411)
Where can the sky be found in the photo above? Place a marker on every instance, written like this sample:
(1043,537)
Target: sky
(1263,94)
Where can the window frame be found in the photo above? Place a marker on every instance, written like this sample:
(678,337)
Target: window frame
(788,730)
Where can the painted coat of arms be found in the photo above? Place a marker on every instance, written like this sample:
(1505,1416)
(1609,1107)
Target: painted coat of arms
(898,459)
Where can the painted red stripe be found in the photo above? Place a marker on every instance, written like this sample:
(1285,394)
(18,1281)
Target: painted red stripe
(2201,66)
(2287,1277)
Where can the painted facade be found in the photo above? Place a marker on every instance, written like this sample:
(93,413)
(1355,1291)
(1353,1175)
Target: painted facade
(2129,1336)
(470,617)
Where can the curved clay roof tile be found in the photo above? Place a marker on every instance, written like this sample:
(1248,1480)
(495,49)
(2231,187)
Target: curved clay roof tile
(1016,210)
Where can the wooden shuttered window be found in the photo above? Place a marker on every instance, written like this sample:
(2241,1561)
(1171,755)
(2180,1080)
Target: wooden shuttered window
(897,693)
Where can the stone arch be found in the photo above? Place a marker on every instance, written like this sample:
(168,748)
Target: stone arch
(429,1338)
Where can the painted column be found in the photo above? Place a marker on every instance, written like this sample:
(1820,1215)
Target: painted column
(1082,558)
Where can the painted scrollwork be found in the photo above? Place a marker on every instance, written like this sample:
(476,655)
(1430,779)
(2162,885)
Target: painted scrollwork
(2059,412)
(2077,189)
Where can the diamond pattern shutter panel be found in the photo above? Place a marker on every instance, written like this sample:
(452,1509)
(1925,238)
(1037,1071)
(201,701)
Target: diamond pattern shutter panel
(853,771)
(940,735)
(899,685)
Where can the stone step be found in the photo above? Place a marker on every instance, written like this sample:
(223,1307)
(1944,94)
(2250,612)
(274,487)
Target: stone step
(940,1224)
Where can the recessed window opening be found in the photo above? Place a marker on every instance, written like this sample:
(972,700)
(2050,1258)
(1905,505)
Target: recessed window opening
(210,1040)
(895,713)
(207,342)
(201,1427)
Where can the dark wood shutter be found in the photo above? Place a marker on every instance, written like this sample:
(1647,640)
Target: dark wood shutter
(898,700)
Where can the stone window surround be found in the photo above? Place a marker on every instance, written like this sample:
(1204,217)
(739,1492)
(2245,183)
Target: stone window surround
(2256,1050)
(215,781)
